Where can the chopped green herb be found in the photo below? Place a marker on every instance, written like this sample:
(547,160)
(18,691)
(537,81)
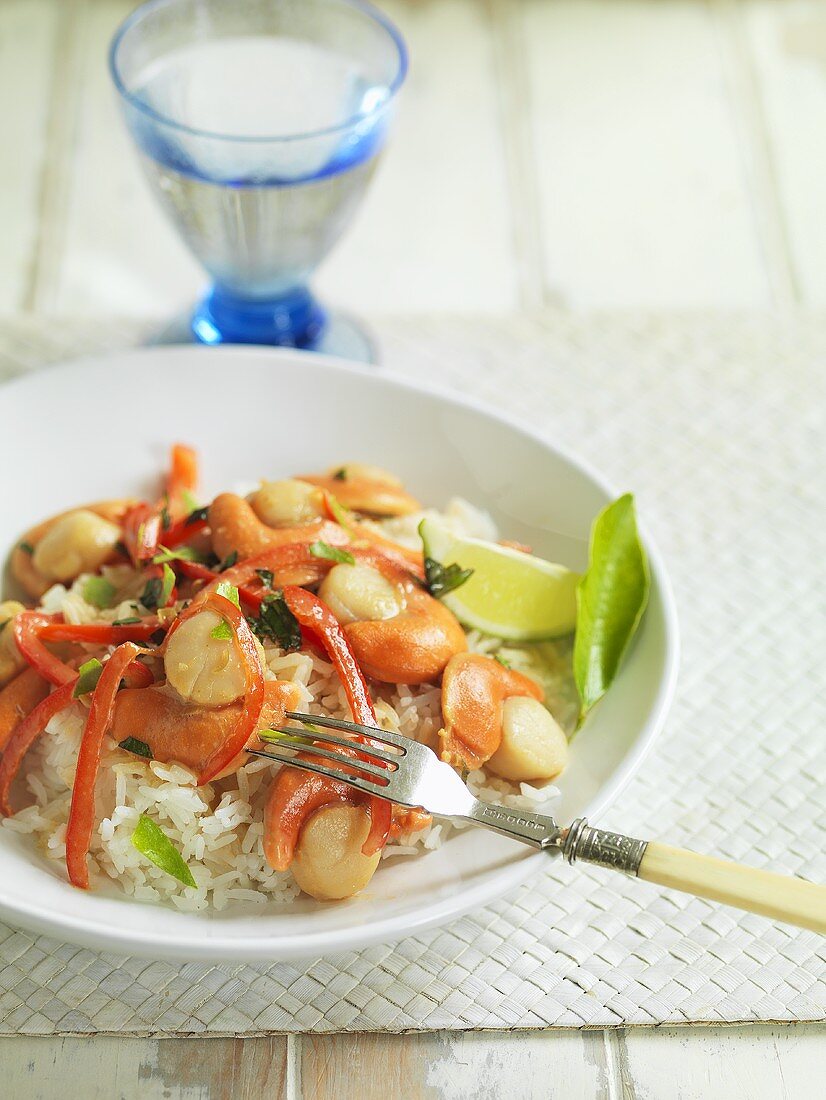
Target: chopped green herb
(277,623)
(340,474)
(26,547)
(266,576)
(166,519)
(158,590)
(182,553)
(130,621)
(321,549)
(196,516)
(229,592)
(189,501)
(442,579)
(150,597)
(99,592)
(502,661)
(343,516)
(88,676)
(223,631)
(228,561)
(152,841)
(139,748)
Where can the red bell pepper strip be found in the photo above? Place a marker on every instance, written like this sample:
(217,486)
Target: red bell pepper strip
(254,675)
(141,532)
(182,531)
(24,736)
(279,558)
(315,616)
(99,633)
(82,811)
(27,627)
(30,627)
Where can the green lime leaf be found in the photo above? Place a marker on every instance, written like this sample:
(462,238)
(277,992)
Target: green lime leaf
(611,599)
(139,748)
(99,592)
(442,579)
(87,677)
(321,549)
(130,621)
(152,841)
(223,631)
(229,592)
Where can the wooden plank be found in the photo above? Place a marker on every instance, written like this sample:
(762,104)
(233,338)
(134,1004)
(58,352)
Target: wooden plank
(107,1067)
(27,45)
(643,198)
(788,47)
(455,1066)
(754,1063)
(434,232)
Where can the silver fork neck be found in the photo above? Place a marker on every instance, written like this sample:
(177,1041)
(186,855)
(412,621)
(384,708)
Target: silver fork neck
(538,830)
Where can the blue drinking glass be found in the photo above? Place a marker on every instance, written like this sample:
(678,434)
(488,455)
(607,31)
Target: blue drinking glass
(259,124)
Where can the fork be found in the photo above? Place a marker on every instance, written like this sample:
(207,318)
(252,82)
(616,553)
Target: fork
(410,774)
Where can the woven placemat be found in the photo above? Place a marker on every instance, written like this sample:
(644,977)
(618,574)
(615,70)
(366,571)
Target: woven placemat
(718,424)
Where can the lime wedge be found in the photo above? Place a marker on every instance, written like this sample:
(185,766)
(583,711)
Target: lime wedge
(510,594)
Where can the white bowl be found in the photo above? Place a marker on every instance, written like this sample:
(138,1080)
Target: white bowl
(102,427)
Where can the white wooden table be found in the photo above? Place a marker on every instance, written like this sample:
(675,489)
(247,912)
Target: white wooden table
(589,153)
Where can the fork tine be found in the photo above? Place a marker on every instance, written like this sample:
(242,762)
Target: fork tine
(353,727)
(362,765)
(347,742)
(280,757)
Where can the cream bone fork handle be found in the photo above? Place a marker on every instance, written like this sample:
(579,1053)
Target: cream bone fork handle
(410,774)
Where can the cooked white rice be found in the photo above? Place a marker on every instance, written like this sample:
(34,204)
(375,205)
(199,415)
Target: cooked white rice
(218,828)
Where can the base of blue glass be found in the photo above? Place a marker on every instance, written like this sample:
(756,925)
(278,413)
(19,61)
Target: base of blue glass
(294,321)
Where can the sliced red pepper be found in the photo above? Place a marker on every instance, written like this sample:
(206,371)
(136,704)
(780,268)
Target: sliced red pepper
(24,736)
(182,531)
(314,615)
(99,633)
(277,560)
(141,532)
(82,811)
(27,627)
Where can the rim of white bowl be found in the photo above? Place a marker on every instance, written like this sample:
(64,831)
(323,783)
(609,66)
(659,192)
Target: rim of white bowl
(101,936)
